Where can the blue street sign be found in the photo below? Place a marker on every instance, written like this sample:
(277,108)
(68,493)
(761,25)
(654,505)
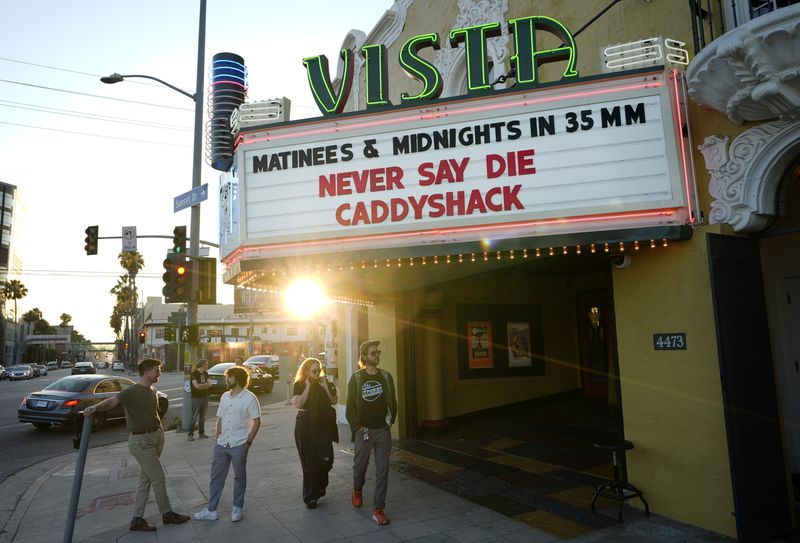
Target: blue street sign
(191,198)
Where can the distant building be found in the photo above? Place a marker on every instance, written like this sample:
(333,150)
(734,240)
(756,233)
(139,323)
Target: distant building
(11,227)
(224,334)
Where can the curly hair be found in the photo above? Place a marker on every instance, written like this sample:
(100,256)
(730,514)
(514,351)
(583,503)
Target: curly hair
(241,375)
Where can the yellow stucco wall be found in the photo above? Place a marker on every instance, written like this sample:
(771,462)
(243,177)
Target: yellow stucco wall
(672,400)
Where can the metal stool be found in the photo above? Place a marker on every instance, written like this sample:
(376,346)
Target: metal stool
(618,490)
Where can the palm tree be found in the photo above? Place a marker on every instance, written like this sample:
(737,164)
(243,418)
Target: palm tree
(14,290)
(65,319)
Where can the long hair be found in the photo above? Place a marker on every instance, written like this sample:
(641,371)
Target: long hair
(302,371)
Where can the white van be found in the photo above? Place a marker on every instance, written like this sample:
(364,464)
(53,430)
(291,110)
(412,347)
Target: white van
(53,365)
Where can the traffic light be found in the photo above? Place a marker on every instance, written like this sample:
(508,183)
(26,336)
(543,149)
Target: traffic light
(142,336)
(206,281)
(91,240)
(179,240)
(177,272)
(169,333)
(193,334)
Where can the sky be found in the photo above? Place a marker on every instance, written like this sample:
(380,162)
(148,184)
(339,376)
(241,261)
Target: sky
(86,153)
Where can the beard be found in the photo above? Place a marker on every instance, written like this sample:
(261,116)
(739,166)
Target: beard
(372,362)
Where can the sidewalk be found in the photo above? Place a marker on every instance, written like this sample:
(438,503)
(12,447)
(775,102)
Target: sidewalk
(33,502)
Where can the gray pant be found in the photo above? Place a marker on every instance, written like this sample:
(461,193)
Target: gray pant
(223,458)
(146,448)
(199,408)
(380,440)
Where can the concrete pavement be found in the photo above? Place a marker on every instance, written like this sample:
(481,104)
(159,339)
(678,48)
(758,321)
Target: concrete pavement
(33,502)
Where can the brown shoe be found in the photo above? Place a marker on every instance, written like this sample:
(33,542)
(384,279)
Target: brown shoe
(174,518)
(356,498)
(140,525)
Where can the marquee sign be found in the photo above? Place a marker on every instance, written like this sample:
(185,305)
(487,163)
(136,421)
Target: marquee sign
(524,62)
(583,157)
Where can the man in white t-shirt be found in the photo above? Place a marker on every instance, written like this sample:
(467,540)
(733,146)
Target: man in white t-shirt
(238,421)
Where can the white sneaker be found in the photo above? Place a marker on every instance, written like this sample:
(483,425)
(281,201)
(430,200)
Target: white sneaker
(205,514)
(236,514)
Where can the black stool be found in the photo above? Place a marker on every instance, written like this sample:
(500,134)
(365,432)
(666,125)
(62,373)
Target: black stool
(618,490)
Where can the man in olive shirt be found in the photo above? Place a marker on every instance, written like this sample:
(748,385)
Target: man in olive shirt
(146,442)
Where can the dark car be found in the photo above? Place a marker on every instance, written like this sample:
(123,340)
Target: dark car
(21,371)
(83,367)
(60,401)
(268,363)
(260,382)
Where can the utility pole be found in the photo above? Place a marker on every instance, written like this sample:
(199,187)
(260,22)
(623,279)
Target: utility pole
(194,226)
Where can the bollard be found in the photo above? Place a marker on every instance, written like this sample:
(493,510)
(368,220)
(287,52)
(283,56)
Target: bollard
(80,442)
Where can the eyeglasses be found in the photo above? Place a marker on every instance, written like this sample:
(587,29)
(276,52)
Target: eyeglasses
(374,353)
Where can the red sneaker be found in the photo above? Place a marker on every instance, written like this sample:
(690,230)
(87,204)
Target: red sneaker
(357,500)
(379,517)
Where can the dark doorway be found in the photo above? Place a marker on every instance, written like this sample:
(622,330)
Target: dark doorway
(594,338)
(758,470)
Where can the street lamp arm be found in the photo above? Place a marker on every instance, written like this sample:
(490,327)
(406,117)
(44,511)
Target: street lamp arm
(116,78)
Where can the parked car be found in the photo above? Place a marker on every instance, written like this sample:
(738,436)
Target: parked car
(53,365)
(83,367)
(268,363)
(117,366)
(2,373)
(260,382)
(61,401)
(42,369)
(19,372)
(102,365)
(66,364)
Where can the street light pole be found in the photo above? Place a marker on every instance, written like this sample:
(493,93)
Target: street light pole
(194,227)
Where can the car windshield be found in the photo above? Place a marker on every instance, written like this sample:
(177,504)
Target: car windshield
(219,369)
(257,359)
(68,384)
(18,368)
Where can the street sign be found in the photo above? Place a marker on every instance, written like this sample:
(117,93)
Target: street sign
(129,239)
(191,198)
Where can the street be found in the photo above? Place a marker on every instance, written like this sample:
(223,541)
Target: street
(22,445)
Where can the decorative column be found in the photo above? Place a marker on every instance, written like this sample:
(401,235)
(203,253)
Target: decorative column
(430,364)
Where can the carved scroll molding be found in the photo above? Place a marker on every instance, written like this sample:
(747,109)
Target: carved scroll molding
(385,32)
(452,63)
(752,73)
(746,178)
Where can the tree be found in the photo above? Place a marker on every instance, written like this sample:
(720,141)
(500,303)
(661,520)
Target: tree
(33,316)
(116,321)
(14,290)
(65,319)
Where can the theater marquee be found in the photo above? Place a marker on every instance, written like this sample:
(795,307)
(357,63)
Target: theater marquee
(588,156)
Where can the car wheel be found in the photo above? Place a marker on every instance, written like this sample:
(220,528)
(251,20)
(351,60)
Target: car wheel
(41,425)
(98,419)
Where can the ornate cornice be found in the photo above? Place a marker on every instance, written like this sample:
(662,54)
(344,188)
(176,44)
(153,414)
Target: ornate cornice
(386,31)
(752,73)
(451,62)
(745,180)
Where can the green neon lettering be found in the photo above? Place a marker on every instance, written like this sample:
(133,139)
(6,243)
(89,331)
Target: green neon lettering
(377,81)
(318,73)
(474,38)
(420,69)
(526,58)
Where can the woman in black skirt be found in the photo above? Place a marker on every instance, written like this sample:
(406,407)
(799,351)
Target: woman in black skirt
(315,428)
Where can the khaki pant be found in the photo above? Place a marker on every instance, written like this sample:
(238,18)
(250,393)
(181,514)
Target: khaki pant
(146,448)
